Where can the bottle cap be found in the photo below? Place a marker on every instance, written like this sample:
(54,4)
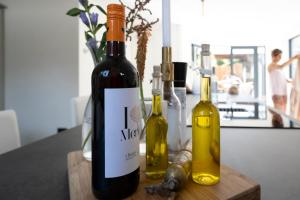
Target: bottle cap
(180,70)
(116,11)
(115,23)
(205,60)
(156,71)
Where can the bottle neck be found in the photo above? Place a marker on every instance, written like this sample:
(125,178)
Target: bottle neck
(205,64)
(168,90)
(156,105)
(115,49)
(205,89)
(115,35)
(156,92)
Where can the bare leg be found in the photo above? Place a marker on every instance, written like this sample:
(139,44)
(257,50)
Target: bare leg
(277,102)
(284,100)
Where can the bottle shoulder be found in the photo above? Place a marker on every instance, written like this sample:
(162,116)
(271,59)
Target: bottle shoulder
(115,72)
(119,64)
(215,109)
(160,119)
(174,101)
(156,123)
(205,108)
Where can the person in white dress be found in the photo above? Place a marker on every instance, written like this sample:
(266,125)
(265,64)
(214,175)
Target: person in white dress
(278,79)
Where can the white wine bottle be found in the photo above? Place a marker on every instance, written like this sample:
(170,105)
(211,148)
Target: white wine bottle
(205,132)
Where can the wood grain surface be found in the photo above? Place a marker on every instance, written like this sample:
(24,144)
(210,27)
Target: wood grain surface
(233,185)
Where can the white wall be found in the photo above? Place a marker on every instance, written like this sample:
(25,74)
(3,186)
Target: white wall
(1,57)
(41,69)
(269,156)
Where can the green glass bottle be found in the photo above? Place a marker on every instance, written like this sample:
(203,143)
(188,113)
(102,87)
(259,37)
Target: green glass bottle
(156,133)
(205,135)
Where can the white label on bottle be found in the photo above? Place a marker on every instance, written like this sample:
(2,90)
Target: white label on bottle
(122,137)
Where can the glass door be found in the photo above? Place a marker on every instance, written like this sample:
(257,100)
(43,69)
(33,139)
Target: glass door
(248,70)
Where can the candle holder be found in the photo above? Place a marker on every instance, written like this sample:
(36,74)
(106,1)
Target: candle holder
(167,67)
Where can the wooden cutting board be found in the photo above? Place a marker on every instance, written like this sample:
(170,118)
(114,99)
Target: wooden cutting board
(233,185)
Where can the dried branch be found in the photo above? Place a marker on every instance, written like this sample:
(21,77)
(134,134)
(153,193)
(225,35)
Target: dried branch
(142,51)
(135,22)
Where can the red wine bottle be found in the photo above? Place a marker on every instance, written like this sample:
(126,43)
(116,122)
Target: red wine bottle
(116,114)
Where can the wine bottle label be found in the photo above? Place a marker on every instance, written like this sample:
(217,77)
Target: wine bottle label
(122,119)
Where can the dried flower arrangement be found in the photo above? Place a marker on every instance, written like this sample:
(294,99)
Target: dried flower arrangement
(137,23)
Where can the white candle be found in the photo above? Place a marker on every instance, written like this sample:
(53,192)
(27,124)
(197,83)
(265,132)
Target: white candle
(166,21)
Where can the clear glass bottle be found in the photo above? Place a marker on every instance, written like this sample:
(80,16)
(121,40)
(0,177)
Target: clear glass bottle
(174,106)
(156,133)
(174,118)
(180,70)
(205,135)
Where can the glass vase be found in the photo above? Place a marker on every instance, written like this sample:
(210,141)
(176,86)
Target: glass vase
(87,131)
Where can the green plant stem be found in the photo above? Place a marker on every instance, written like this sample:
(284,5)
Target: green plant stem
(143,102)
(86,139)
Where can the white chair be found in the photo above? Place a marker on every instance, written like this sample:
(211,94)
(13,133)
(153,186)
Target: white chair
(9,131)
(78,105)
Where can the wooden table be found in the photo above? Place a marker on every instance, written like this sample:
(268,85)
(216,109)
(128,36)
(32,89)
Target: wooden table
(233,185)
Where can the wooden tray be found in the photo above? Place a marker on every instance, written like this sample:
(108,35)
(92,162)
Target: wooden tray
(233,185)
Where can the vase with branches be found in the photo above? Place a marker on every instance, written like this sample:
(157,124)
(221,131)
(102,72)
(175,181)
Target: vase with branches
(136,23)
